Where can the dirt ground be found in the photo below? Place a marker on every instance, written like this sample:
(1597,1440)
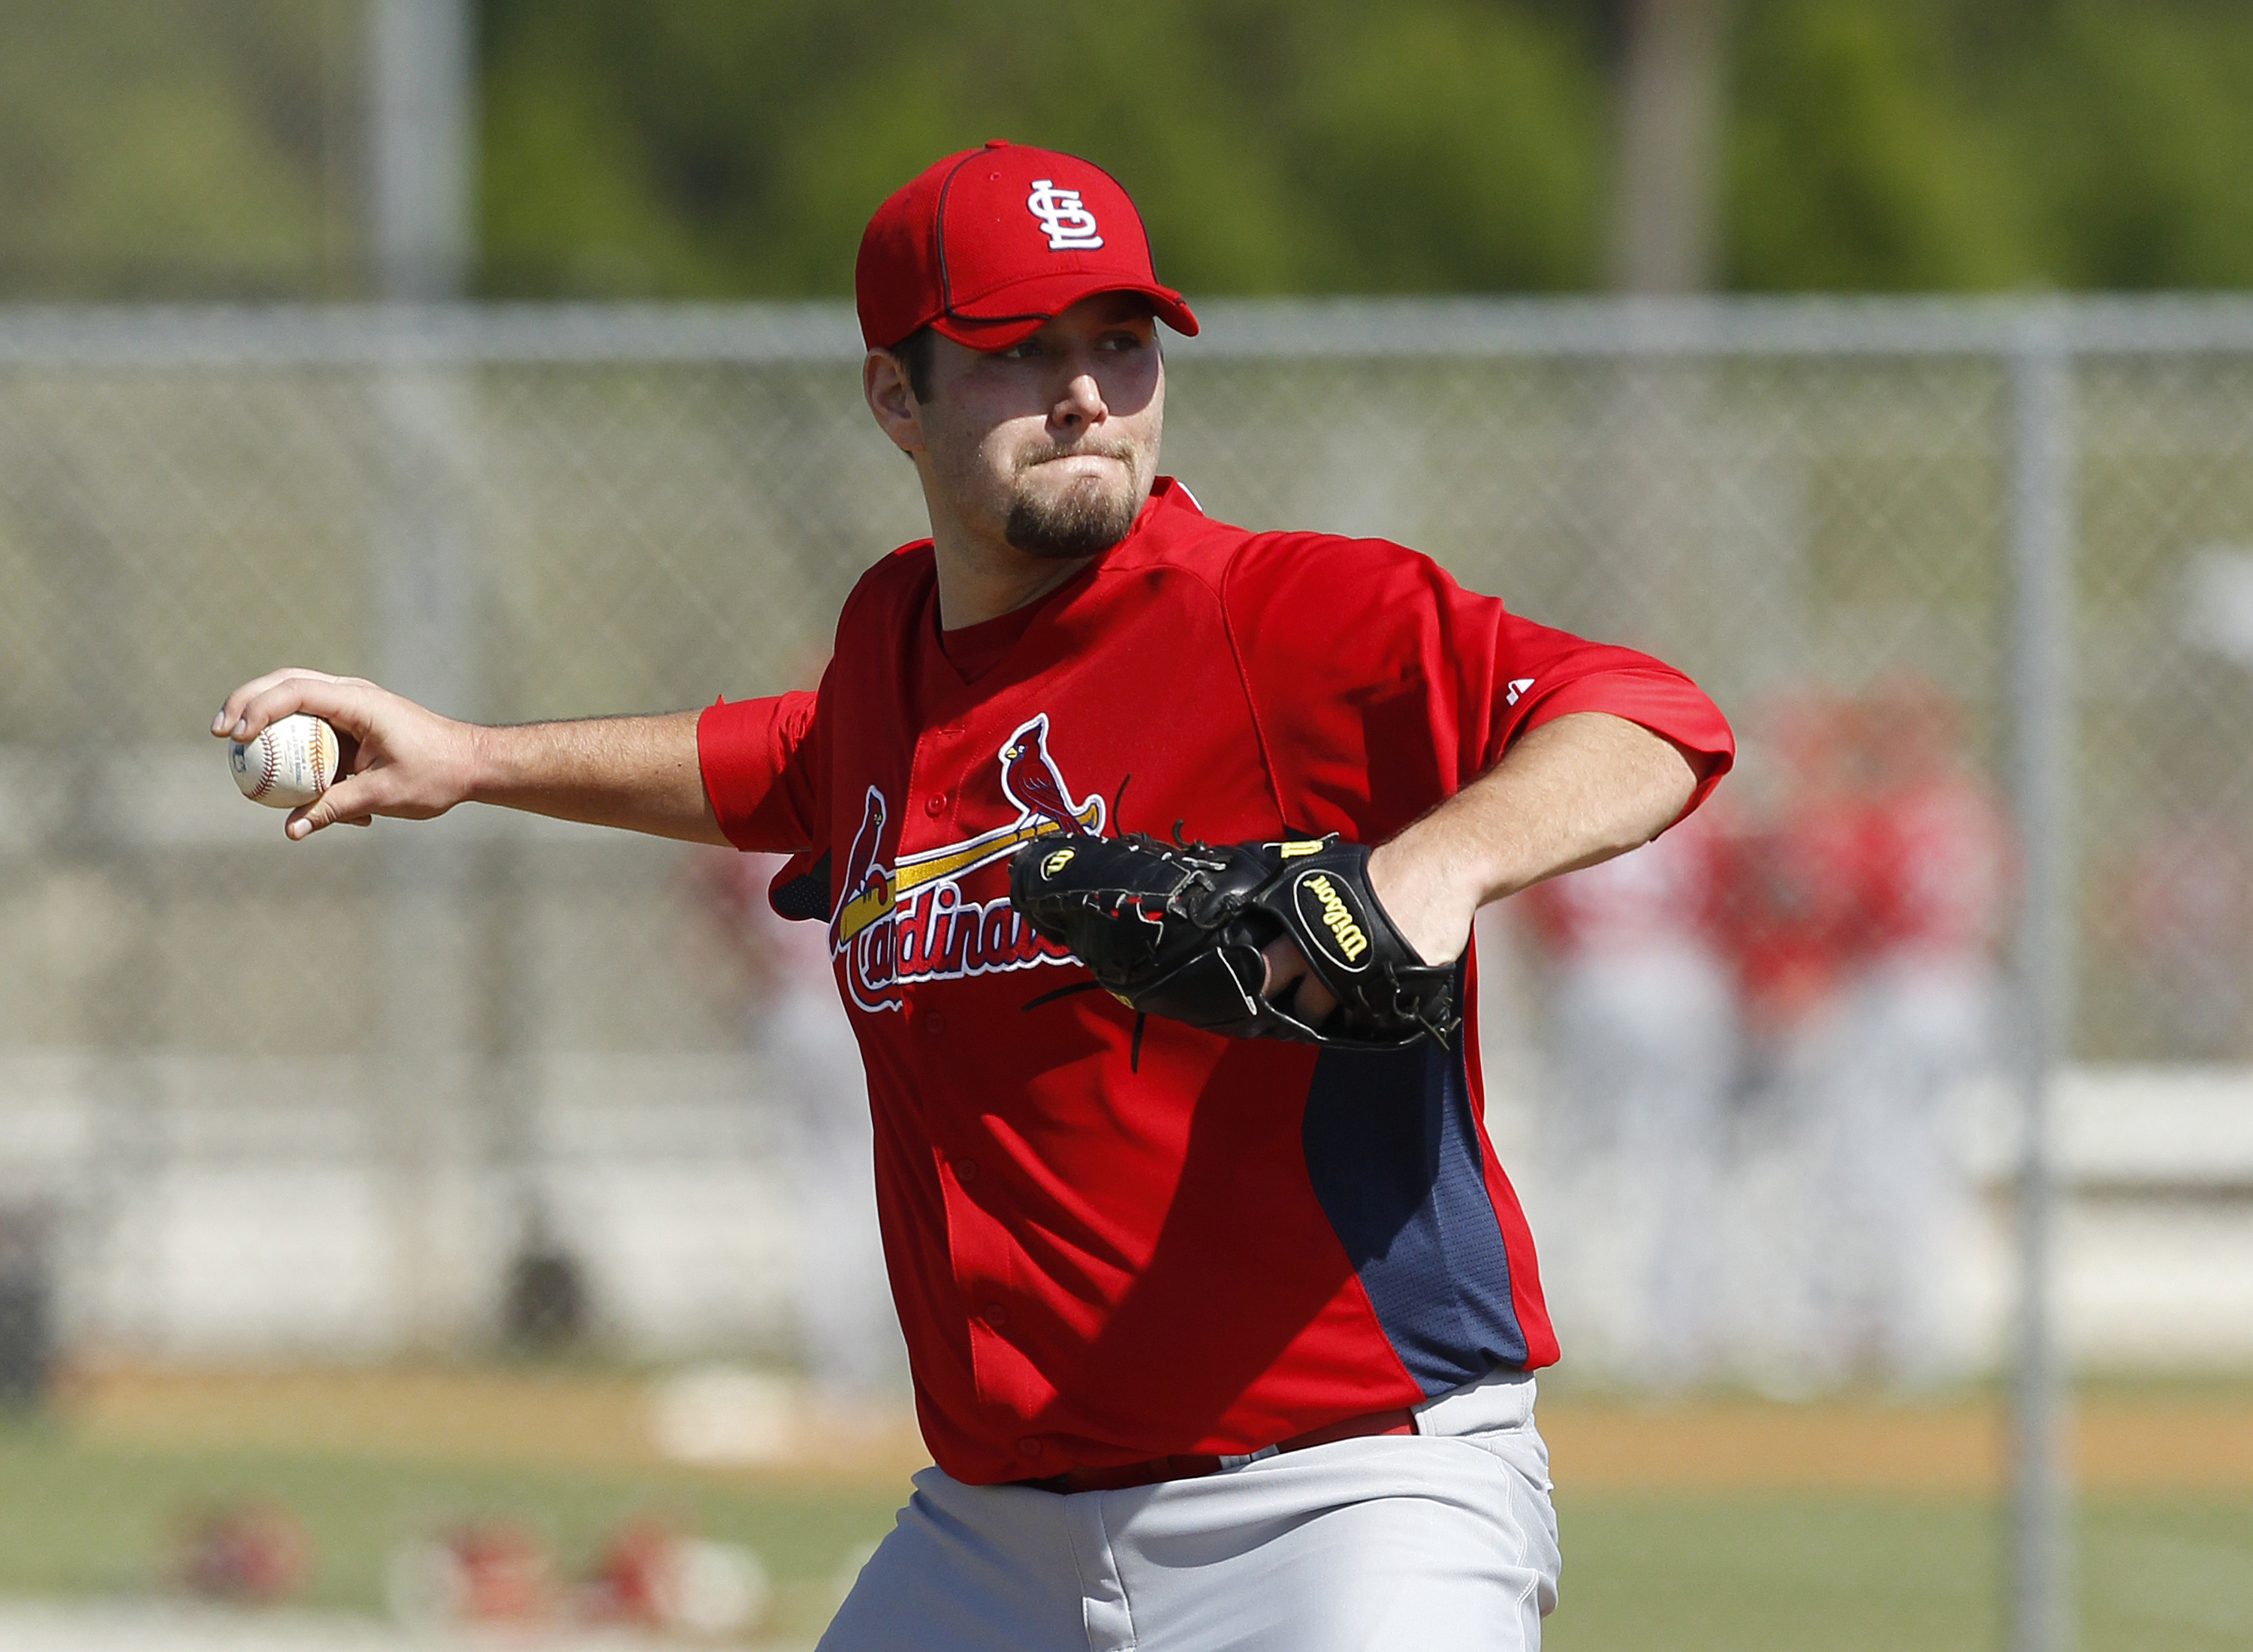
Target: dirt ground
(553,1418)
(2124,1440)
(2119,1444)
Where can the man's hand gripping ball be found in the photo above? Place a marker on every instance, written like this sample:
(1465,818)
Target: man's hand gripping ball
(1178,930)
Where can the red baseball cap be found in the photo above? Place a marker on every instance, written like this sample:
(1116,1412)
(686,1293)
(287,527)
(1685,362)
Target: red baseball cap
(986,245)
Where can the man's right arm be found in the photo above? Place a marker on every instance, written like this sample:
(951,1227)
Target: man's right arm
(639,773)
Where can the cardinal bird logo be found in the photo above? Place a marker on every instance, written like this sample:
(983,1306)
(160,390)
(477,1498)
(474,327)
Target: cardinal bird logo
(859,864)
(1029,778)
(913,922)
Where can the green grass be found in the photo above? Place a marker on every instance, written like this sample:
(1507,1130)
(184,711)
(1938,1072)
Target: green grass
(1726,1573)
(1800,1573)
(81,1519)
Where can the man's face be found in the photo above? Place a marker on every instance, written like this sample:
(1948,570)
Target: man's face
(1051,444)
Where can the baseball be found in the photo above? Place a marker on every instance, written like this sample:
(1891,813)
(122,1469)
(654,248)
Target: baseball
(289,763)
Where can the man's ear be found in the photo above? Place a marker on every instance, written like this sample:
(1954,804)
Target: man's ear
(891,399)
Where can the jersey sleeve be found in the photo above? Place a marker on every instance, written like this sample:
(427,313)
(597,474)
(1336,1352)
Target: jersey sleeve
(756,756)
(1379,685)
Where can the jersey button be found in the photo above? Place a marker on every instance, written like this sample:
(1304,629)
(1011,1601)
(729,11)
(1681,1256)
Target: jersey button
(996,1316)
(935,803)
(965,1170)
(934,1023)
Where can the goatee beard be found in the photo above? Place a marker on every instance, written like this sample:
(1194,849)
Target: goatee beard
(1078,523)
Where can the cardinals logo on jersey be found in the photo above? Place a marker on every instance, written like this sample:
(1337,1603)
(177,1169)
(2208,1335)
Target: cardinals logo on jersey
(862,876)
(912,922)
(1029,780)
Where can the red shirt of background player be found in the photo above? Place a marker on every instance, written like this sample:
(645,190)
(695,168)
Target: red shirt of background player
(1237,1241)
(1939,858)
(1796,885)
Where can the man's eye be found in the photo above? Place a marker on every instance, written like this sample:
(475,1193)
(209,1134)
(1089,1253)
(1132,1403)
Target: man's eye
(1123,341)
(1023,350)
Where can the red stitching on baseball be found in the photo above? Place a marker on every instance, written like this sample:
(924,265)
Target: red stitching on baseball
(270,761)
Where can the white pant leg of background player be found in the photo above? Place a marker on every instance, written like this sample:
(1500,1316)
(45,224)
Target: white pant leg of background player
(1781,1214)
(848,1329)
(1892,1164)
(1645,1049)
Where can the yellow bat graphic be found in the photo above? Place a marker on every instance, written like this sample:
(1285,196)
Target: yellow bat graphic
(930,865)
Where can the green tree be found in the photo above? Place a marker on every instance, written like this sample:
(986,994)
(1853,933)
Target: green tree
(1859,160)
(703,147)
(195,147)
(187,149)
(2135,126)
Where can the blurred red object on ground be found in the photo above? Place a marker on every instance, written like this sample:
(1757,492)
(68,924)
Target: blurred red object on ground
(253,1552)
(480,1572)
(652,1576)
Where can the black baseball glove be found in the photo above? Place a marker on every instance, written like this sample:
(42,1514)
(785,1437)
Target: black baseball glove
(1176,929)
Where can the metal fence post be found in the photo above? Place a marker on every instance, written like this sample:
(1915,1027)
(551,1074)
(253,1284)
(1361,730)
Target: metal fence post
(421,199)
(2041,632)
(422,117)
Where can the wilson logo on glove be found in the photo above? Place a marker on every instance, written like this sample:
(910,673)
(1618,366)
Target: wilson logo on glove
(1328,912)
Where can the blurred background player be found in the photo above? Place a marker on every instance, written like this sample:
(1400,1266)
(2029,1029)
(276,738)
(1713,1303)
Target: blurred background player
(1871,905)
(1644,1051)
(1889,1166)
(1790,914)
(848,1334)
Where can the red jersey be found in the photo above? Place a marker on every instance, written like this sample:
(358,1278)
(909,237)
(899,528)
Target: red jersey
(1796,907)
(1234,1241)
(1941,868)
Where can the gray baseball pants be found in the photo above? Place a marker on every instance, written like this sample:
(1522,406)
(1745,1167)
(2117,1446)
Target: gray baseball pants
(1444,1538)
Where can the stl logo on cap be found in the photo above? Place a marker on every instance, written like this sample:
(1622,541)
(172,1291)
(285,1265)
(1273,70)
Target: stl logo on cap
(1069,225)
(950,249)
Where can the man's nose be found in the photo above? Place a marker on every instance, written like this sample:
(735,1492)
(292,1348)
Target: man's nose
(1081,402)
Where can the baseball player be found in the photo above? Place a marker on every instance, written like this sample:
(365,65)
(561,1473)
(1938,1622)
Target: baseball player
(1935,872)
(848,1336)
(1217,1341)
(1643,1030)
(1795,919)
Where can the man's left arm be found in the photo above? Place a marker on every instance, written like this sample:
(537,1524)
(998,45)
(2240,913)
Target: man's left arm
(1380,684)
(1577,790)
(1574,791)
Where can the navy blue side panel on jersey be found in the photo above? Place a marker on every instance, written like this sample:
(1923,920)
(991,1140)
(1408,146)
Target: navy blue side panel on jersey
(1394,1158)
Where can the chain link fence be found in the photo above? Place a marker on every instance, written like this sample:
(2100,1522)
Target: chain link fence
(438,1091)
(529,513)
